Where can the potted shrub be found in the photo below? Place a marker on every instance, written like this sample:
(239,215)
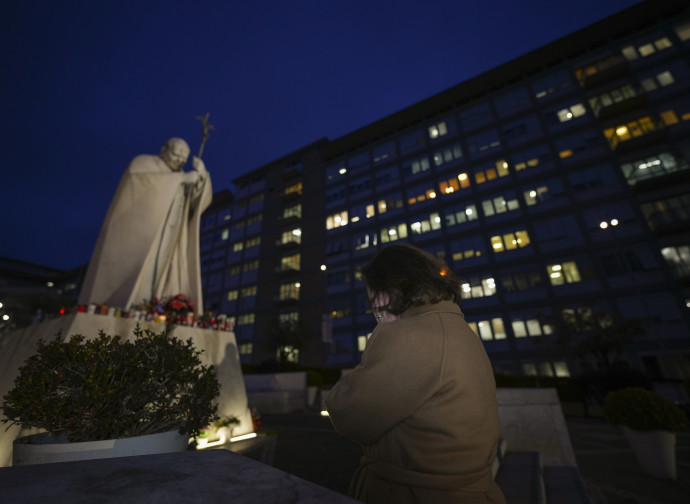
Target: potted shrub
(82,390)
(649,422)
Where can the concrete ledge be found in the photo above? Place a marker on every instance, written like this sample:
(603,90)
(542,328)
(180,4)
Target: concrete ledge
(277,392)
(194,476)
(532,420)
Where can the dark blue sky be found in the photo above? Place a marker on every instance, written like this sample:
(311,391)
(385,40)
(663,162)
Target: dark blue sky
(87,85)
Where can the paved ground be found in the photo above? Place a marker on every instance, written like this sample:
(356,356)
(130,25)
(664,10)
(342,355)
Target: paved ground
(308,447)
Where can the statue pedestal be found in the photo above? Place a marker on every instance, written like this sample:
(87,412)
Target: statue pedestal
(219,349)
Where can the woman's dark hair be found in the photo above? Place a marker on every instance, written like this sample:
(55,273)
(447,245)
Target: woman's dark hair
(409,276)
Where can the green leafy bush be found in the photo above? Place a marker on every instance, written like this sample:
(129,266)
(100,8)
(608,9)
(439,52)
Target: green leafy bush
(109,388)
(643,410)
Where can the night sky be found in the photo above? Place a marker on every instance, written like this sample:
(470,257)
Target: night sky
(87,85)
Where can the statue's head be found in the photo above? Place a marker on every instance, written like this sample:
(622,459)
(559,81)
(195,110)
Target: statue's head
(174,153)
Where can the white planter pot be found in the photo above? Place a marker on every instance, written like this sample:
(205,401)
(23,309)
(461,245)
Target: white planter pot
(655,451)
(45,449)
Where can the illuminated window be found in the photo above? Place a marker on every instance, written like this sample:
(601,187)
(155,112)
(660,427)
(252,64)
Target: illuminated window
(632,53)
(561,368)
(393,233)
(462,181)
(288,353)
(237,247)
(362,342)
(420,193)
(232,295)
(438,130)
(510,241)
(683,31)
(477,287)
(390,204)
(293,211)
(598,66)
(625,132)
(291,236)
(290,263)
(289,318)
(467,248)
(430,223)
(365,240)
(551,84)
(246,319)
(499,170)
(531,158)
(447,155)
(289,291)
(246,348)
(337,220)
(294,189)
(571,112)
(460,214)
(362,212)
(654,166)
(500,204)
(669,117)
(334,171)
(529,326)
(662,79)
(248,291)
(536,195)
(250,266)
(563,273)
(416,166)
(253,242)
(488,330)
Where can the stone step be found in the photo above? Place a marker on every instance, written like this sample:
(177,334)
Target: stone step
(564,485)
(520,477)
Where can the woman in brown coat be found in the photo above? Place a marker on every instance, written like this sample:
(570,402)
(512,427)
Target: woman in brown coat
(423,400)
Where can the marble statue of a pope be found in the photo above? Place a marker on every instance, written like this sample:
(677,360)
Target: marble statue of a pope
(148,246)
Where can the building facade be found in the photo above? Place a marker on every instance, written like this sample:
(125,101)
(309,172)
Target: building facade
(556,186)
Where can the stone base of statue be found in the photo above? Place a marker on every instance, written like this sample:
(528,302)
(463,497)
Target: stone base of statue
(219,349)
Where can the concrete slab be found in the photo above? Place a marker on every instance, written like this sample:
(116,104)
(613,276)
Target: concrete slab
(186,477)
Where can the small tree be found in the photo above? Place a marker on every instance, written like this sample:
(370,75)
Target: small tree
(594,335)
(107,387)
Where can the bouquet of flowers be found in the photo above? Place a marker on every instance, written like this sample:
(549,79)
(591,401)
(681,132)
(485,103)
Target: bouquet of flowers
(177,307)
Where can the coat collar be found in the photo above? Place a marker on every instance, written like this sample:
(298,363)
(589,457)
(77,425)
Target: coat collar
(442,307)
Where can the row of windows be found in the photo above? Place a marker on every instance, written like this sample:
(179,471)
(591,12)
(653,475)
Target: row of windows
(481,114)
(250,242)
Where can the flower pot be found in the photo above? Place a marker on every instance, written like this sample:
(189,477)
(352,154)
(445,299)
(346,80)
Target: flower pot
(655,451)
(45,448)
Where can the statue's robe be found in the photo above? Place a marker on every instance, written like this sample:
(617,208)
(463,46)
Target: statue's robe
(148,246)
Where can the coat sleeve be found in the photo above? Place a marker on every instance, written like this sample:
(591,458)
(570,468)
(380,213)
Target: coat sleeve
(399,371)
